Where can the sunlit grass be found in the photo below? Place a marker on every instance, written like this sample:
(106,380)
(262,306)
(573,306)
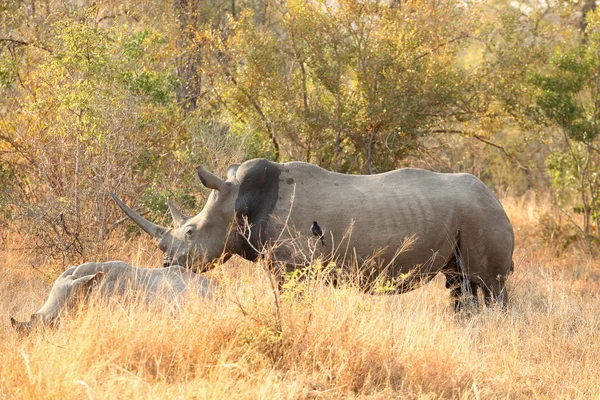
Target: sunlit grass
(317,343)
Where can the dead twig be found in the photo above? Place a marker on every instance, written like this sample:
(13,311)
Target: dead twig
(19,43)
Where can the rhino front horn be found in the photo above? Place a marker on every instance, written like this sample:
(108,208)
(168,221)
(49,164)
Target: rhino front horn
(151,229)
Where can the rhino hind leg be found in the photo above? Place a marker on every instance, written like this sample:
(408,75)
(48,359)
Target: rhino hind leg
(462,290)
(463,293)
(487,263)
(494,292)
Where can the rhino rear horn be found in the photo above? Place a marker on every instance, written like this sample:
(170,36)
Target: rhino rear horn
(179,218)
(232,170)
(151,229)
(210,180)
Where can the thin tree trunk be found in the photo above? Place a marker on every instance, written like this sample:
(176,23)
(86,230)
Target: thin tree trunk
(188,63)
(369,162)
(338,111)
(586,7)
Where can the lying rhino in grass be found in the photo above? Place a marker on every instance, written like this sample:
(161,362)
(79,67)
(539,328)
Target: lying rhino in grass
(168,286)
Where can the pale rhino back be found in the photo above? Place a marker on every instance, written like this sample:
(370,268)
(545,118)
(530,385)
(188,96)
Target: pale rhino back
(151,284)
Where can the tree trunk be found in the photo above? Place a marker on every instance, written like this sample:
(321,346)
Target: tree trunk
(188,63)
(586,7)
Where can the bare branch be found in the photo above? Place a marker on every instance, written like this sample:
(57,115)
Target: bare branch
(456,39)
(19,42)
(119,14)
(502,149)
(486,141)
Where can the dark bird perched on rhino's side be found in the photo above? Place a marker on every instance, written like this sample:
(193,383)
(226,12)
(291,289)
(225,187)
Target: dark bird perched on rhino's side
(317,231)
(459,226)
(161,286)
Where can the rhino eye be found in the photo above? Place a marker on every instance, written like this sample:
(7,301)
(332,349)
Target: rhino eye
(189,232)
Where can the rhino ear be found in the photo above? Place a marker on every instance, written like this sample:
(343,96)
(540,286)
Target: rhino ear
(86,283)
(210,180)
(232,170)
(179,218)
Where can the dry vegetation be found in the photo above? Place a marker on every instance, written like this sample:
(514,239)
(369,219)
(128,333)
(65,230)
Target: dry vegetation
(326,343)
(129,96)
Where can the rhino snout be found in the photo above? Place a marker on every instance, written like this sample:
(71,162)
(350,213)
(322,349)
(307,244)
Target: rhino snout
(21,327)
(36,320)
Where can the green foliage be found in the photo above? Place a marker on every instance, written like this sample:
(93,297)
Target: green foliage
(155,201)
(351,96)
(560,90)
(386,286)
(81,47)
(157,86)
(6,73)
(560,167)
(296,282)
(568,95)
(96,105)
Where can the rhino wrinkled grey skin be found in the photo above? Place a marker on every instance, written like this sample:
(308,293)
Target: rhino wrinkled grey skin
(163,286)
(460,227)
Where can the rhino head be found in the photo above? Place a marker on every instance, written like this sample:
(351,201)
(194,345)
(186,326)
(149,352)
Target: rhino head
(193,242)
(66,293)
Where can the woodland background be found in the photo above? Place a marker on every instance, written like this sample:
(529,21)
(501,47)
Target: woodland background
(130,96)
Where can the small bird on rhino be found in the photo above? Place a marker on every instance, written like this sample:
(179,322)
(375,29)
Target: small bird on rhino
(316,230)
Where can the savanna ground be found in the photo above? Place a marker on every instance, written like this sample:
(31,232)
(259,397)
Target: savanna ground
(316,342)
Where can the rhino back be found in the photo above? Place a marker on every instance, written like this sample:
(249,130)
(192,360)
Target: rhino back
(121,279)
(173,283)
(386,208)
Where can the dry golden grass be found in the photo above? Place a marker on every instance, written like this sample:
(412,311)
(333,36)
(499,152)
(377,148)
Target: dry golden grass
(325,343)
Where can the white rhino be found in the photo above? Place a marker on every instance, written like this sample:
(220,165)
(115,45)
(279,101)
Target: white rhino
(168,286)
(459,226)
